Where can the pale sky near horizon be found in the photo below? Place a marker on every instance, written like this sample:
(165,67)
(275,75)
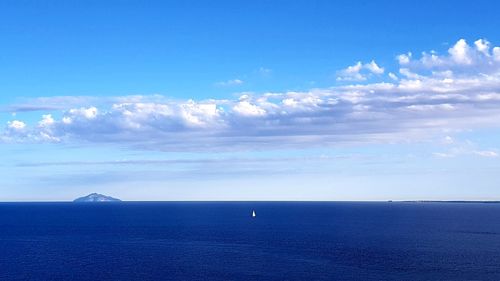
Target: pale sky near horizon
(250,100)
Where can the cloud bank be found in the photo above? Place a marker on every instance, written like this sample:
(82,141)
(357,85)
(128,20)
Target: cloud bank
(427,96)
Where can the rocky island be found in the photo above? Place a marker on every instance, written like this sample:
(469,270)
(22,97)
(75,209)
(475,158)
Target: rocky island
(96,197)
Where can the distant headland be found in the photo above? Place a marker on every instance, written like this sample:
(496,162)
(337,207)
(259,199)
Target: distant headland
(96,197)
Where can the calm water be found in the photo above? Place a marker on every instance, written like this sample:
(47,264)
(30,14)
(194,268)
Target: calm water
(220,241)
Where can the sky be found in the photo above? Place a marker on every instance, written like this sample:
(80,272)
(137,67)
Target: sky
(250,100)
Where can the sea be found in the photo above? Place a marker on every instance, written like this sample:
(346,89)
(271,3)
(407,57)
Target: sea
(222,241)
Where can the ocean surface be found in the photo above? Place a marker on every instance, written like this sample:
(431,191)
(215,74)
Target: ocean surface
(221,241)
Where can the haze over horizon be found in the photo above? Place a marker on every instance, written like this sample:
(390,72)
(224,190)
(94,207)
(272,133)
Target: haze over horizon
(309,100)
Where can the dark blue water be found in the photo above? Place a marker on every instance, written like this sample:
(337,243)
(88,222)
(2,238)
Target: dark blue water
(220,241)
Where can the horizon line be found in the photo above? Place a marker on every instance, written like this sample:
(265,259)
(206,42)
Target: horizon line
(263,201)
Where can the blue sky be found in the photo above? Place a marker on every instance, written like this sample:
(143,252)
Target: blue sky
(259,100)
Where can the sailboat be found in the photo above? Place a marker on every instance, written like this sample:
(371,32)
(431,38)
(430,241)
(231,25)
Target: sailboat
(253,214)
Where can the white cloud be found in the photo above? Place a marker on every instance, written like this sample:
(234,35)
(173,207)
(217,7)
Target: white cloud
(429,100)
(374,68)
(15,130)
(46,121)
(408,74)
(486,153)
(431,59)
(67,120)
(496,53)
(355,72)
(404,58)
(16,125)
(88,113)
(232,82)
(351,73)
(460,52)
(448,140)
(245,108)
(461,57)
(483,46)
(393,76)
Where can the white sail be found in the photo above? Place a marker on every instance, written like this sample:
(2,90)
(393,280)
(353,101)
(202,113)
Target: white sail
(253,214)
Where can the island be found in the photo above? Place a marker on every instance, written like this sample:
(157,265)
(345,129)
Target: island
(96,197)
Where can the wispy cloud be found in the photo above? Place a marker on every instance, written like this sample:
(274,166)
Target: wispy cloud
(61,103)
(455,148)
(196,161)
(433,94)
(51,103)
(265,72)
(228,83)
